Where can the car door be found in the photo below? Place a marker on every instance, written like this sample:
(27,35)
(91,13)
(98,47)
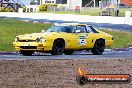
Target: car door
(80,33)
(79,37)
(71,38)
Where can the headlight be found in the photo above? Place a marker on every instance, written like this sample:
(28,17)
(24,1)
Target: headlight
(16,39)
(40,39)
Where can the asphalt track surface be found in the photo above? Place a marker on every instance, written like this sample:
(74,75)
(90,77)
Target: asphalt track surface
(108,54)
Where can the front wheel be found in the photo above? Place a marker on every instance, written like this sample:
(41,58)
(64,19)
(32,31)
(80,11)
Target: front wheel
(98,48)
(26,53)
(58,47)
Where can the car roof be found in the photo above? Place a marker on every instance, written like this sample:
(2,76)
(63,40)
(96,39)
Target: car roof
(69,24)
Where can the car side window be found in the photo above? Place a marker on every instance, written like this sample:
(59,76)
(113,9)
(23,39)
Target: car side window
(73,29)
(82,29)
(78,29)
(68,29)
(89,29)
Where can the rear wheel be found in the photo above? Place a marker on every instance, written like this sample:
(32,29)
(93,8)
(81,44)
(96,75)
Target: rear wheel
(26,53)
(58,47)
(68,52)
(98,48)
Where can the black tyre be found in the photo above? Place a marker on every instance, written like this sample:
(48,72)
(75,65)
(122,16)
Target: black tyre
(58,47)
(68,52)
(98,48)
(26,53)
(81,80)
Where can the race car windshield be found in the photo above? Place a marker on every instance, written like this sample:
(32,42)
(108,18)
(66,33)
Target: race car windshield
(59,29)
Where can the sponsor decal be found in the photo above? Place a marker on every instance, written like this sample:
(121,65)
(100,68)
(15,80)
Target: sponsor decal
(84,78)
(81,40)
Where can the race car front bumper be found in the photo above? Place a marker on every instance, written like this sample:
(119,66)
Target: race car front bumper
(35,46)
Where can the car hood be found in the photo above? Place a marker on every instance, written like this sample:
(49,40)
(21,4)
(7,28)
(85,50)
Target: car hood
(34,36)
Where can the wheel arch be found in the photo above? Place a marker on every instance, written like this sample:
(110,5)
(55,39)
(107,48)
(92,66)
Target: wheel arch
(59,49)
(60,39)
(101,39)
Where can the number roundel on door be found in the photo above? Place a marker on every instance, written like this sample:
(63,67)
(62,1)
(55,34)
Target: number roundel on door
(81,40)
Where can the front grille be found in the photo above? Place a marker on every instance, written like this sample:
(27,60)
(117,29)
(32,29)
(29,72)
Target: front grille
(28,47)
(27,40)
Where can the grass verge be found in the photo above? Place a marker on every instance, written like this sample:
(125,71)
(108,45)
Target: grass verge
(121,39)
(9,28)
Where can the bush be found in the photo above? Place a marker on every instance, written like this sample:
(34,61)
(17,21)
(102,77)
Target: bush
(44,6)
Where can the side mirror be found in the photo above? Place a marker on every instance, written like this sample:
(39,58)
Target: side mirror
(77,31)
(43,31)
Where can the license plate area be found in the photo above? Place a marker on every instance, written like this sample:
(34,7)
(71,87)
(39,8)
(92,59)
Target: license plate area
(25,45)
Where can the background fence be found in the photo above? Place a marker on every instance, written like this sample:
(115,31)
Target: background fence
(93,11)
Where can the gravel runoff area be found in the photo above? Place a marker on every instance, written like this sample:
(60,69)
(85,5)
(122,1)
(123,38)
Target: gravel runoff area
(59,73)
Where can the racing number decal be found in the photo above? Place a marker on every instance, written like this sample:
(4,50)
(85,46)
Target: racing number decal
(81,40)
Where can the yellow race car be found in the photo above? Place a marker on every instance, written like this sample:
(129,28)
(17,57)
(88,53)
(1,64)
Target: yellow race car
(64,38)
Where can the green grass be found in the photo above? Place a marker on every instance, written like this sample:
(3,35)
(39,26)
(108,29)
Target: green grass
(122,11)
(121,39)
(9,28)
